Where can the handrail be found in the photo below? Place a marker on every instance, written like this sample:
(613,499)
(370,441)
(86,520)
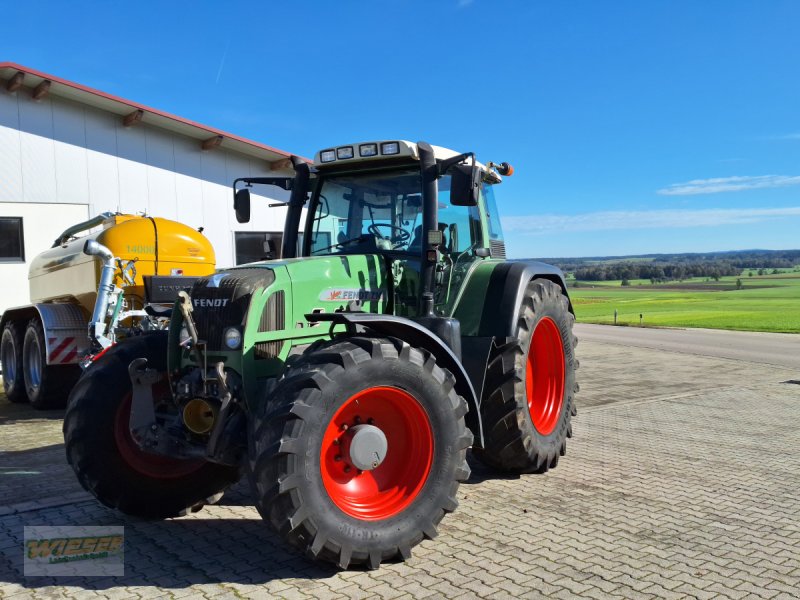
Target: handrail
(85,226)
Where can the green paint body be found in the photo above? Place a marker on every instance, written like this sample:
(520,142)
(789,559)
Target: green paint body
(323,284)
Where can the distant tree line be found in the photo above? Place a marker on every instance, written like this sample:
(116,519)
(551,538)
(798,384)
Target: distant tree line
(656,272)
(676,267)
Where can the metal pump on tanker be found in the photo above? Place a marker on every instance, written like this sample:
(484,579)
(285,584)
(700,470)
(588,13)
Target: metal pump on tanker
(349,377)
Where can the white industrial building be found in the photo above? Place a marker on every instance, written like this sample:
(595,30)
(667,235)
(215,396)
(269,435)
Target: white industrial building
(69,153)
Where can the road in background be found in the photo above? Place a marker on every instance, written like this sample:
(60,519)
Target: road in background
(778,349)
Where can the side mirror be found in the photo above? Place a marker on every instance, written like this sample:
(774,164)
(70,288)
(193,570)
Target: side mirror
(465,185)
(241,204)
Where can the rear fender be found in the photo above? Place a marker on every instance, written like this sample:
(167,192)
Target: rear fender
(66,334)
(505,291)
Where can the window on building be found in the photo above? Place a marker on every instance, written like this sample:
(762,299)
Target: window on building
(12,242)
(253,246)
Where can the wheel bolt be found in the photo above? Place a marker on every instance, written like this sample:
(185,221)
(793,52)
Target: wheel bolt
(347,468)
(370,421)
(344,427)
(338,457)
(336,442)
(357,419)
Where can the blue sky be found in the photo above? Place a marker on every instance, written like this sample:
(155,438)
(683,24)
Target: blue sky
(634,127)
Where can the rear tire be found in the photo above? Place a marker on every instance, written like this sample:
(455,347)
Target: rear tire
(11,358)
(301,452)
(47,386)
(529,395)
(106,459)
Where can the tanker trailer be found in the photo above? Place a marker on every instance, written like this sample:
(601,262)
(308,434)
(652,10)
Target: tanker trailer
(107,278)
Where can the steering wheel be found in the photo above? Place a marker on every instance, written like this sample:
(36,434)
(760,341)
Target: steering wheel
(401,237)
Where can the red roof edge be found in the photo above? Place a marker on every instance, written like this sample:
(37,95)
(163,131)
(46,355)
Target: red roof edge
(142,107)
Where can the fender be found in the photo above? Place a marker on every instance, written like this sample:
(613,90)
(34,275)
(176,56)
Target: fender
(506,288)
(65,326)
(420,337)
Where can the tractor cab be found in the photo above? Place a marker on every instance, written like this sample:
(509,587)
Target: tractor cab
(427,211)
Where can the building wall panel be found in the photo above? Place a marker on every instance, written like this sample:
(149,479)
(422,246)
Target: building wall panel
(37,151)
(10,161)
(71,162)
(101,161)
(132,152)
(161,191)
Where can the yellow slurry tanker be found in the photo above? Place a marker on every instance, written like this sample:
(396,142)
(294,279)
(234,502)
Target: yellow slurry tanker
(105,279)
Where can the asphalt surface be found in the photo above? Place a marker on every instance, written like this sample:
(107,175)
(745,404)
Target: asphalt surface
(779,349)
(682,481)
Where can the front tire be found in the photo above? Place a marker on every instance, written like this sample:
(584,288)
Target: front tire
(529,395)
(11,358)
(310,481)
(108,462)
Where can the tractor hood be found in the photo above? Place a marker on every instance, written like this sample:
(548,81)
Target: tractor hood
(314,284)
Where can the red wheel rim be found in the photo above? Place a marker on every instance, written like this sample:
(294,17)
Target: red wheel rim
(150,465)
(544,381)
(392,486)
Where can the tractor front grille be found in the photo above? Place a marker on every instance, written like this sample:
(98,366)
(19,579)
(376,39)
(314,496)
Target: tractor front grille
(221,301)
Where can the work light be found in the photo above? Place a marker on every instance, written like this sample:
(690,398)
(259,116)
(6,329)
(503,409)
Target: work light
(368,150)
(327,156)
(390,148)
(344,152)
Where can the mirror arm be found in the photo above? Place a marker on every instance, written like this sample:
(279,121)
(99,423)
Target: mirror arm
(444,165)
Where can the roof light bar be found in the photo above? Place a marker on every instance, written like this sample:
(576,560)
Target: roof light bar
(327,156)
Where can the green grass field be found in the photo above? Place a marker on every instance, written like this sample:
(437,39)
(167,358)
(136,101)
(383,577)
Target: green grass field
(765,303)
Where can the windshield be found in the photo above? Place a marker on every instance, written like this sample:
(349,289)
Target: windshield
(368,212)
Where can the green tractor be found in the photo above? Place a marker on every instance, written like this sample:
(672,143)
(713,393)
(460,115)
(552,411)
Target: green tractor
(349,377)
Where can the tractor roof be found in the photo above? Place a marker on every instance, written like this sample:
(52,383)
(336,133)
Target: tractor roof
(382,149)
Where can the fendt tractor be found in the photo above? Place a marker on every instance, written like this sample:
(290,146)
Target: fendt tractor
(349,377)
(111,277)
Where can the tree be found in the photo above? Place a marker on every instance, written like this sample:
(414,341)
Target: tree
(750,274)
(625,281)
(739,284)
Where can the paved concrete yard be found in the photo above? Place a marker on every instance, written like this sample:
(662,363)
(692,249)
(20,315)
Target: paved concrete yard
(683,480)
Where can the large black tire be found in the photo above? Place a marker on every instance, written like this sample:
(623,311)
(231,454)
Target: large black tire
(107,461)
(529,394)
(47,386)
(298,482)
(11,358)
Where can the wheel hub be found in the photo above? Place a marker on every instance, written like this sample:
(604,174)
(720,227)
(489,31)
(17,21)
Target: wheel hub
(367,447)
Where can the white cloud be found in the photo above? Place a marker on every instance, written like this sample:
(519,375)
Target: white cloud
(645,219)
(728,184)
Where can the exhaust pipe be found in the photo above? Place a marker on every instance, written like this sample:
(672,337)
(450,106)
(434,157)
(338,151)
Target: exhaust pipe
(97,326)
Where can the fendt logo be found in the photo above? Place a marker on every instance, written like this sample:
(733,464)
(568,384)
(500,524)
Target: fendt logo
(210,302)
(344,295)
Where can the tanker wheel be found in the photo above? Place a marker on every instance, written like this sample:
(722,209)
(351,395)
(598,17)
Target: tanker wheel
(11,359)
(105,457)
(529,395)
(47,386)
(359,451)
